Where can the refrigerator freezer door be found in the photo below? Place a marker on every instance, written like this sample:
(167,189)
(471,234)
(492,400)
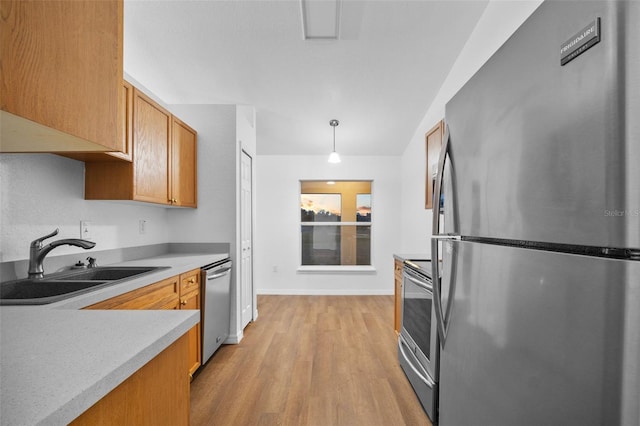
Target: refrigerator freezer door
(541,338)
(549,153)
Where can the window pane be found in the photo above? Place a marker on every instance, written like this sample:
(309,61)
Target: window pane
(320,207)
(321,245)
(363,206)
(363,245)
(336,245)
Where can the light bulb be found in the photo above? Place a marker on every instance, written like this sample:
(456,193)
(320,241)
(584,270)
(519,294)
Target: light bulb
(334,157)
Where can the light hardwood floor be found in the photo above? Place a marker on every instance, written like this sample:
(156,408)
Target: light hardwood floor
(309,360)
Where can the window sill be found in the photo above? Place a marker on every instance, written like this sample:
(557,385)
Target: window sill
(336,269)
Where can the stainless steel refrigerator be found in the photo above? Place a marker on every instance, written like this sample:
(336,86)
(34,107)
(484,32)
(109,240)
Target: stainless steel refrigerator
(538,226)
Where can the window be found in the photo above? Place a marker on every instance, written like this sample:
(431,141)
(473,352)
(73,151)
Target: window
(335,223)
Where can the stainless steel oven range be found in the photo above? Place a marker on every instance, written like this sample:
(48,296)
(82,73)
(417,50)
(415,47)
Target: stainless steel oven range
(418,340)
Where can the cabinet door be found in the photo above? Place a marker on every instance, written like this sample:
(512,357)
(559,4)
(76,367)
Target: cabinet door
(184,173)
(192,301)
(151,132)
(433,142)
(124,153)
(62,65)
(156,394)
(125,120)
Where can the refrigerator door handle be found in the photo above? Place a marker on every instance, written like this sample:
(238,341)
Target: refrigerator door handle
(436,237)
(446,237)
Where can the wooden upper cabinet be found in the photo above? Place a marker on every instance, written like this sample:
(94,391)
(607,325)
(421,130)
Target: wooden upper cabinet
(433,143)
(163,158)
(184,173)
(125,123)
(61,68)
(151,147)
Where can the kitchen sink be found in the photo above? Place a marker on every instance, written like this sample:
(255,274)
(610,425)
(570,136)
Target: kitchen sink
(43,289)
(108,273)
(67,284)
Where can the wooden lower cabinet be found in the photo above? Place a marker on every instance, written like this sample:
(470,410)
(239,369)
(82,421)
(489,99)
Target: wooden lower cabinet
(179,292)
(161,295)
(156,394)
(190,298)
(397,317)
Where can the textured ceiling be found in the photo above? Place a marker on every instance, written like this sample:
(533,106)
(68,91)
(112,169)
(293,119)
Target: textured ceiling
(378,79)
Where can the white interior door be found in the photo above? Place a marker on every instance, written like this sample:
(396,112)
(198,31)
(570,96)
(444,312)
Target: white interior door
(246,237)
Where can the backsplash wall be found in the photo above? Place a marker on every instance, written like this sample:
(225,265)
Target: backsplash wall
(42,192)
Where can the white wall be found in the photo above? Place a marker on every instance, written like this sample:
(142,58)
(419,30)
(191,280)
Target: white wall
(278,224)
(500,19)
(223,131)
(41,192)
(214,219)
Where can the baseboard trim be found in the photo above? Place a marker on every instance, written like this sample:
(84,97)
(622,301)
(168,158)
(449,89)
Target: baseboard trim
(234,339)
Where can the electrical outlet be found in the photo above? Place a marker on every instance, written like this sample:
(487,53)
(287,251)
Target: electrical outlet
(142,226)
(85,229)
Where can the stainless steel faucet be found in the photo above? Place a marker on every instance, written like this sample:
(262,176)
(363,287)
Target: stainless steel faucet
(37,251)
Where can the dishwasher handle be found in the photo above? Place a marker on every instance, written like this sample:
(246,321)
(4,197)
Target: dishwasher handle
(218,274)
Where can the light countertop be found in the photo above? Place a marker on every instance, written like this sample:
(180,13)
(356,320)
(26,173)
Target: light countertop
(411,256)
(57,360)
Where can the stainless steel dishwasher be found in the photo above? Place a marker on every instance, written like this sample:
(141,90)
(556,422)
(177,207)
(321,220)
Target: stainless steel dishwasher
(216,279)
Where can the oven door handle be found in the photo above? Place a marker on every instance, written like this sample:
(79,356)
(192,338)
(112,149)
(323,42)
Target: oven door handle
(426,379)
(419,283)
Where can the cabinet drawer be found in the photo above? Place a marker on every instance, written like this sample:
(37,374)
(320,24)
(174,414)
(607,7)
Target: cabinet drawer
(189,281)
(161,295)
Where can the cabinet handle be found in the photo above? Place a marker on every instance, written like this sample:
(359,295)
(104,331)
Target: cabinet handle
(192,280)
(183,302)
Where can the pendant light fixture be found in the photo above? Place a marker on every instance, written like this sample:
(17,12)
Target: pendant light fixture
(334,157)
